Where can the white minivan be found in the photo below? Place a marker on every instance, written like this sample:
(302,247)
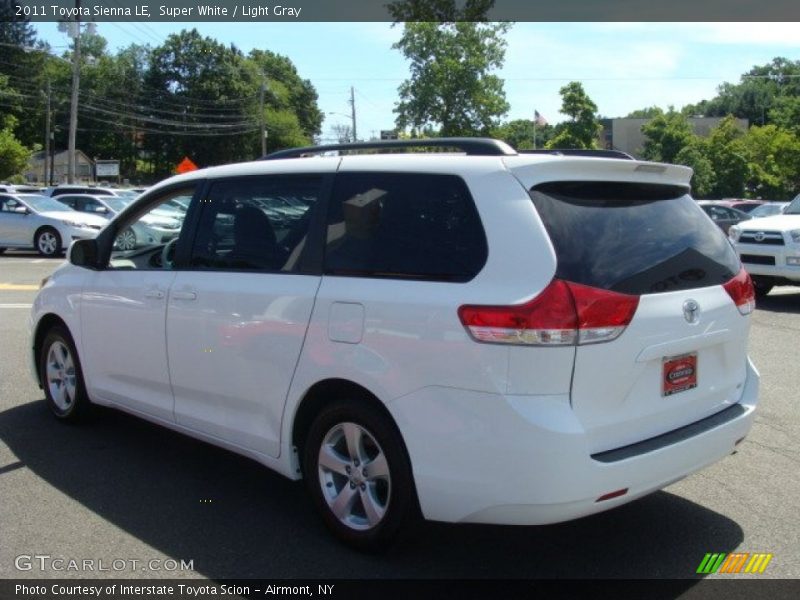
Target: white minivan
(471,337)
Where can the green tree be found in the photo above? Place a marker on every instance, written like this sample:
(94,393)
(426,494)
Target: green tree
(193,83)
(666,135)
(756,95)
(645,113)
(22,61)
(452,85)
(519,134)
(582,128)
(695,155)
(13,155)
(288,92)
(726,153)
(785,113)
(773,161)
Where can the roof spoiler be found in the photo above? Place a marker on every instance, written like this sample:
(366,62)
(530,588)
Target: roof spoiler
(581,152)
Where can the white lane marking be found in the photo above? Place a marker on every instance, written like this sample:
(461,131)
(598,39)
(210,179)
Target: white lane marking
(18,305)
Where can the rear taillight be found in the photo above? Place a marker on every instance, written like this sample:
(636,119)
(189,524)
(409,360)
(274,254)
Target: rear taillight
(741,291)
(602,315)
(564,314)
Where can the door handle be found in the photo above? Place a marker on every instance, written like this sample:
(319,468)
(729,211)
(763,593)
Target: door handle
(157,294)
(184,295)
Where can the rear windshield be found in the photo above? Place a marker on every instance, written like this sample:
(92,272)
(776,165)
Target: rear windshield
(633,238)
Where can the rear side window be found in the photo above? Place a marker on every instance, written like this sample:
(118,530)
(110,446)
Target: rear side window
(633,238)
(404,225)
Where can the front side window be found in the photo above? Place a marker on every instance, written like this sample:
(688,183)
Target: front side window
(8,204)
(404,225)
(256,224)
(148,239)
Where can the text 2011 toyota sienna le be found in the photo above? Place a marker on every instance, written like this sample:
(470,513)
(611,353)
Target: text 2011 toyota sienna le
(477,337)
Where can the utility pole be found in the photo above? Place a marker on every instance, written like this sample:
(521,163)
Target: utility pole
(47,137)
(353,106)
(263,118)
(73,109)
(52,157)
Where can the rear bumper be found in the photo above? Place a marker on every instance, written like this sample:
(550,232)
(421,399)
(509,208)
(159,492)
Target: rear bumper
(525,460)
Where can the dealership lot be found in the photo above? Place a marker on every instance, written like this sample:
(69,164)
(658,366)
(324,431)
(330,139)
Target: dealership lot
(119,489)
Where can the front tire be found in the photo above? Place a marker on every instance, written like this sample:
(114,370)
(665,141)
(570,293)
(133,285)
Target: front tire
(62,378)
(47,242)
(358,475)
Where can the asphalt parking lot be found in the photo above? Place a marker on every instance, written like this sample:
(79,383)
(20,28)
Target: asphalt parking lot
(120,488)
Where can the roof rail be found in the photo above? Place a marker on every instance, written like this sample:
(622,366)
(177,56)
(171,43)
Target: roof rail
(468,145)
(581,152)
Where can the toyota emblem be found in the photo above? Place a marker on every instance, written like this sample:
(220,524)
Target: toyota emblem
(759,236)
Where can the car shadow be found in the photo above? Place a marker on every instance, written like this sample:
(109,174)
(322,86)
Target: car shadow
(780,303)
(236,519)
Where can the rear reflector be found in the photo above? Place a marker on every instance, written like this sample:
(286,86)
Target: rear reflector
(741,291)
(611,495)
(563,314)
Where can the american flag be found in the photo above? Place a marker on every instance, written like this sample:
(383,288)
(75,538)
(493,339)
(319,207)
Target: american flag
(539,119)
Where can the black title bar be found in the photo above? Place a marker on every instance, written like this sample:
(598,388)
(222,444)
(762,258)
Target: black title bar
(292,11)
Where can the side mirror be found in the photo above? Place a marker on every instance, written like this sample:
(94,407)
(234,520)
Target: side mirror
(83,253)
(22,210)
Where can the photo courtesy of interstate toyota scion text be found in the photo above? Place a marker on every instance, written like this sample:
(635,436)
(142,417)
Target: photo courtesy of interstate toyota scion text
(470,336)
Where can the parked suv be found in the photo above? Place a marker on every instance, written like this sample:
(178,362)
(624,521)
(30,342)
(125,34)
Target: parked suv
(485,337)
(770,248)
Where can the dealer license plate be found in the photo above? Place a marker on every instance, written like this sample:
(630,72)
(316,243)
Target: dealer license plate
(679,374)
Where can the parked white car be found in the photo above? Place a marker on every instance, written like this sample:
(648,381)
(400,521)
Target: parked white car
(770,248)
(42,223)
(485,338)
(150,229)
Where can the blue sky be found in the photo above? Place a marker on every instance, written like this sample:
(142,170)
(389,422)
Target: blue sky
(623,66)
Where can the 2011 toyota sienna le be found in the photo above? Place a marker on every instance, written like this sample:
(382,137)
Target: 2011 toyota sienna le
(477,337)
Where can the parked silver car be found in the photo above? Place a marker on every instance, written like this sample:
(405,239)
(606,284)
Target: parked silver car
(42,223)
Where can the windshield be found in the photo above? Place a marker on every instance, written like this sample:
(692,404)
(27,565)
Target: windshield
(766,210)
(117,204)
(794,206)
(43,203)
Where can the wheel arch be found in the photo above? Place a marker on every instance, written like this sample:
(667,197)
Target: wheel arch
(52,228)
(45,324)
(323,393)
(40,228)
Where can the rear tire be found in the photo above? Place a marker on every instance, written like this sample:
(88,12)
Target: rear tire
(762,287)
(47,242)
(358,475)
(62,378)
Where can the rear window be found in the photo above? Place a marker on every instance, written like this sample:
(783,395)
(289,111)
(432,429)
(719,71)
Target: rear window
(633,238)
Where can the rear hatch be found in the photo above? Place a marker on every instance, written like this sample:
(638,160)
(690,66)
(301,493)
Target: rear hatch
(682,354)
